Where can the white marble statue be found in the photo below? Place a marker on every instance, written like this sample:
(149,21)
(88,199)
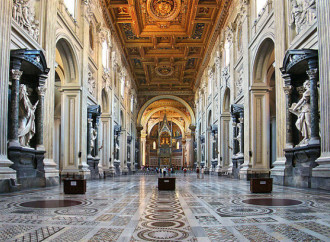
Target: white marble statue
(302,110)
(23,14)
(303,12)
(26,129)
(93,137)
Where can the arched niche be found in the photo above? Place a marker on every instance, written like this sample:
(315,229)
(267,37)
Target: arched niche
(264,58)
(105,101)
(263,107)
(66,60)
(226,101)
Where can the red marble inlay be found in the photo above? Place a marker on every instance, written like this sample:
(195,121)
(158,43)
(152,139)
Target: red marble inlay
(272,202)
(50,203)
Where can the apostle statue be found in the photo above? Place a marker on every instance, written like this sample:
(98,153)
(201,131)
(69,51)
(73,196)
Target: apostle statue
(93,137)
(302,110)
(26,129)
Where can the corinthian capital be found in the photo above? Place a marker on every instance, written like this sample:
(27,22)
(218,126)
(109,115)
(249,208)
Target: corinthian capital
(16,74)
(287,89)
(41,90)
(312,73)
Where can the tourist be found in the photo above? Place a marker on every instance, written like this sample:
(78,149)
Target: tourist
(184,171)
(202,171)
(197,171)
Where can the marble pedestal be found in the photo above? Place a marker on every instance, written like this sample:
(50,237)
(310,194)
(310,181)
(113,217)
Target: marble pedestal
(237,162)
(117,167)
(299,165)
(93,165)
(29,166)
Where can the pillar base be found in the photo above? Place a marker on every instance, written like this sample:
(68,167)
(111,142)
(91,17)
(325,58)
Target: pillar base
(321,174)
(278,172)
(7,177)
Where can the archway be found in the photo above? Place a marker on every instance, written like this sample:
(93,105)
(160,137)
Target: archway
(154,99)
(177,112)
(66,113)
(263,109)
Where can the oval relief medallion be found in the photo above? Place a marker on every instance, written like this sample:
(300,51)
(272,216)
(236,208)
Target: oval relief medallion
(164,10)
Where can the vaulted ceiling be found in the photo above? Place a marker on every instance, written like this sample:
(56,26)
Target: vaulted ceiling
(166,42)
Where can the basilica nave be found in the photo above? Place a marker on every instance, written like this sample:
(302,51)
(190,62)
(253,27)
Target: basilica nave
(215,93)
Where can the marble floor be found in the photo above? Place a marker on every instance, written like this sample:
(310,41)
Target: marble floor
(130,208)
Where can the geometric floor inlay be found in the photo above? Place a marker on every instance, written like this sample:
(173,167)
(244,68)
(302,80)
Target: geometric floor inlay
(130,208)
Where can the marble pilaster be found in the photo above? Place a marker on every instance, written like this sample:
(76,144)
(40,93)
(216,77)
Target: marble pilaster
(281,43)
(49,46)
(321,173)
(5,27)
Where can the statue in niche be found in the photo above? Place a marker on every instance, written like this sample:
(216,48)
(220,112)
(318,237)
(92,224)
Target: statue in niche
(239,138)
(93,136)
(302,110)
(26,129)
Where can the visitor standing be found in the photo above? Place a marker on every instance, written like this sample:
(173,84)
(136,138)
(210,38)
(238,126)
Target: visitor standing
(197,171)
(184,171)
(202,171)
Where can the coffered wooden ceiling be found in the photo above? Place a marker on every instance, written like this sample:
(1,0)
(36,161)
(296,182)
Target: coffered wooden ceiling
(166,42)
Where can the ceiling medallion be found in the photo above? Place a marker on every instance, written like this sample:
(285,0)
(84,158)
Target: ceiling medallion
(164,10)
(164,70)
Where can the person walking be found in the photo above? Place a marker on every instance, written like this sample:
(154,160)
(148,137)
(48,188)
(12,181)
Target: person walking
(202,172)
(184,171)
(197,171)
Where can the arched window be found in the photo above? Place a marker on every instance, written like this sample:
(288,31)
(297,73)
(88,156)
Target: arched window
(260,5)
(71,6)
(132,104)
(122,86)
(105,56)
(227,53)
(91,36)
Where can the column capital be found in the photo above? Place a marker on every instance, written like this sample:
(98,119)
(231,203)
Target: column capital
(41,90)
(312,73)
(16,74)
(287,89)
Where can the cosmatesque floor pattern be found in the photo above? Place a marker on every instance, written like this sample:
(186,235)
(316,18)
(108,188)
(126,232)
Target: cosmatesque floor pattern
(130,208)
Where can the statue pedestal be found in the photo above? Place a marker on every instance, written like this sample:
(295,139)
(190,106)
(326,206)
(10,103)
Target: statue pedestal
(238,160)
(300,162)
(29,166)
(117,167)
(93,165)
